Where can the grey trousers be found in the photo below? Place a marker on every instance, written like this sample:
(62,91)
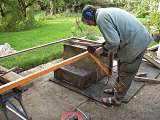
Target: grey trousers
(126,73)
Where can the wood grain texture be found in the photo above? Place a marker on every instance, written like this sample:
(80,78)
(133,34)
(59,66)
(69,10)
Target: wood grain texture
(105,68)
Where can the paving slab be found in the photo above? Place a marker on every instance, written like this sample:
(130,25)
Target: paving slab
(95,91)
(47,101)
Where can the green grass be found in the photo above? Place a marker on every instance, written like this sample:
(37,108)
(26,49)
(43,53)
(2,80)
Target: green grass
(34,58)
(50,29)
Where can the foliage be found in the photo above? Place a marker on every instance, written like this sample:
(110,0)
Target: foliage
(141,12)
(80,30)
(15,12)
(50,30)
(47,26)
(148,11)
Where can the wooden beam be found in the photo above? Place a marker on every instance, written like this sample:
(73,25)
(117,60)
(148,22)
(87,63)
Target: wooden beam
(147,80)
(37,47)
(104,67)
(29,78)
(9,75)
(46,45)
(152,61)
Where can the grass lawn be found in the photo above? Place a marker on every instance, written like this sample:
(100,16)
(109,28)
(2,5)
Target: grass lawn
(50,30)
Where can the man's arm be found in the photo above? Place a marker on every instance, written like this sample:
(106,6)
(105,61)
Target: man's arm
(112,39)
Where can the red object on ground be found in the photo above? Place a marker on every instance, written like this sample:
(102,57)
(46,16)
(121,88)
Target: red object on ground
(67,115)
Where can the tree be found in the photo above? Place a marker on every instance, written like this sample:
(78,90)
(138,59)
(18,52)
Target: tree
(13,12)
(148,10)
(23,5)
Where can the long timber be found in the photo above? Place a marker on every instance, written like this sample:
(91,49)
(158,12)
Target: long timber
(29,78)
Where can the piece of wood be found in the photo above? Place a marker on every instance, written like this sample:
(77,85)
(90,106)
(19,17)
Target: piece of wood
(152,61)
(141,75)
(29,78)
(45,45)
(7,71)
(9,75)
(37,47)
(147,80)
(104,67)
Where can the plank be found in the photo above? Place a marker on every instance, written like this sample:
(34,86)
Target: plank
(149,69)
(29,78)
(103,66)
(152,61)
(148,80)
(20,82)
(37,47)
(10,76)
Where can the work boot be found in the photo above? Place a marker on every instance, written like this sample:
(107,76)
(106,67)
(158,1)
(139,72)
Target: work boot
(109,101)
(109,91)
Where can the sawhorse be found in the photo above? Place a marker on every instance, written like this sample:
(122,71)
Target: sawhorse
(8,99)
(7,104)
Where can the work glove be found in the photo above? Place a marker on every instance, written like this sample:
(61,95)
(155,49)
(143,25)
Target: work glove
(102,52)
(91,49)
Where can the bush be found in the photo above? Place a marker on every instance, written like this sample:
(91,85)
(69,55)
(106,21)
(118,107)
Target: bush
(92,37)
(27,25)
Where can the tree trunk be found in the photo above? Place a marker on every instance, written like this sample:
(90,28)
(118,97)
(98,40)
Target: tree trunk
(22,7)
(1,11)
(51,8)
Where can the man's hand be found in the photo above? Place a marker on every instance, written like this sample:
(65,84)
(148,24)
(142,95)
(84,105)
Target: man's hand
(99,51)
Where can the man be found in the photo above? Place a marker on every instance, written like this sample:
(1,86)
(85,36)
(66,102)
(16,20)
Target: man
(125,36)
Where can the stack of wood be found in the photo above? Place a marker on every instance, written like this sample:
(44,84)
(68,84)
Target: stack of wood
(151,56)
